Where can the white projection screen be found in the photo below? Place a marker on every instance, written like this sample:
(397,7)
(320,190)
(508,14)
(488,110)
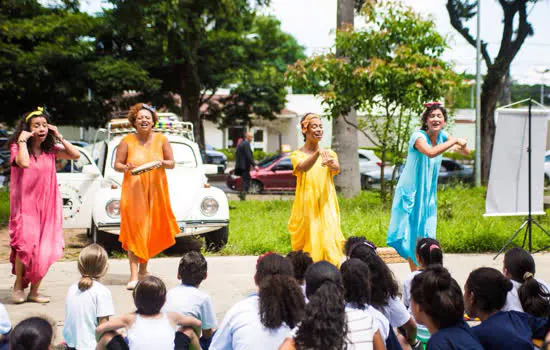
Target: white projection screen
(507,194)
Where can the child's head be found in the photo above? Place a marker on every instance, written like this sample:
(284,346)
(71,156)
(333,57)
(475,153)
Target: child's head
(281,298)
(485,291)
(34,333)
(355,275)
(436,298)
(92,264)
(300,262)
(428,252)
(386,286)
(149,296)
(192,269)
(324,325)
(519,265)
(355,242)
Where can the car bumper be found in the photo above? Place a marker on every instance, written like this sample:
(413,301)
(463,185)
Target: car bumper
(187,228)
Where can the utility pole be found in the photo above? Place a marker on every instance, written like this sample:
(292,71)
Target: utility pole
(478,99)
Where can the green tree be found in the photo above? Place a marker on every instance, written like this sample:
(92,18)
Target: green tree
(47,57)
(196,47)
(390,68)
(516,28)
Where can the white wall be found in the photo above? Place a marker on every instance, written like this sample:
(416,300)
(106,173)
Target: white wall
(212,135)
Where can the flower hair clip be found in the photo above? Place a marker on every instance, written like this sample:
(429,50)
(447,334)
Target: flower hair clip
(261,257)
(433,104)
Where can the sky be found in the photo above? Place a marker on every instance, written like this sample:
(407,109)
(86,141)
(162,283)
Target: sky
(313,22)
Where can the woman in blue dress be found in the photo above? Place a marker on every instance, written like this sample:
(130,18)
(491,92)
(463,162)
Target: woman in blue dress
(414,209)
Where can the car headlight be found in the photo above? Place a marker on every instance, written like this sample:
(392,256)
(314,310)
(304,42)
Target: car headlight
(113,208)
(209,206)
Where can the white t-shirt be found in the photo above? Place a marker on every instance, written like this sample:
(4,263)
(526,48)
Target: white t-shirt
(5,324)
(191,301)
(396,312)
(381,322)
(241,329)
(407,289)
(361,328)
(512,298)
(81,312)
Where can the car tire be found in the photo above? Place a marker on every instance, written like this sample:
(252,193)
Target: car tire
(216,240)
(256,187)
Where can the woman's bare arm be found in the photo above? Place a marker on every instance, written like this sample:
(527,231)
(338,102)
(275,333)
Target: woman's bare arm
(168,155)
(433,151)
(120,158)
(308,163)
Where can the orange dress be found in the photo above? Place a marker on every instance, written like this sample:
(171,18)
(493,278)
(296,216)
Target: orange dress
(147,224)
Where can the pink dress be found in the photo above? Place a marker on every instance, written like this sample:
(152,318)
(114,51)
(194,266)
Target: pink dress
(36,211)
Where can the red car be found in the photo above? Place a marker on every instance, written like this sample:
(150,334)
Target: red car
(274,174)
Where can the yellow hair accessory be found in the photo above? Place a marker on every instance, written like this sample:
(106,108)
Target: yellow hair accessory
(39,111)
(305,123)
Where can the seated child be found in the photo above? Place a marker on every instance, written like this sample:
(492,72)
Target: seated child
(148,327)
(34,333)
(187,299)
(300,262)
(484,296)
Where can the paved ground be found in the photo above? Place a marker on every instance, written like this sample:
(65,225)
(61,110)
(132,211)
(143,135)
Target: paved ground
(229,280)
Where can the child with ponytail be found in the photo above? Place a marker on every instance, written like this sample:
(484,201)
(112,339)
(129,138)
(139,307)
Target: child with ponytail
(436,303)
(264,319)
(528,294)
(484,296)
(89,303)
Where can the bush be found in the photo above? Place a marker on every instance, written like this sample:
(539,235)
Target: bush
(257,155)
(4,206)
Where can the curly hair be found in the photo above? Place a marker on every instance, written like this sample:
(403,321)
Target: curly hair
(25,125)
(281,298)
(300,261)
(386,286)
(192,268)
(357,283)
(489,287)
(438,295)
(429,111)
(534,297)
(354,242)
(133,112)
(325,323)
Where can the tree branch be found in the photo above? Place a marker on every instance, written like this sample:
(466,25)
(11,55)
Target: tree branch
(457,24)
(361,130)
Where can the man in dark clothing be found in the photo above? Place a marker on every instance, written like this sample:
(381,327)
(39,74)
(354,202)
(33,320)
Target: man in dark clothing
(244,161)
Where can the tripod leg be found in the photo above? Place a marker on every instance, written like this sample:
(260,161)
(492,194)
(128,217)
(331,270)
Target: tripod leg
(512,238)
(546,232)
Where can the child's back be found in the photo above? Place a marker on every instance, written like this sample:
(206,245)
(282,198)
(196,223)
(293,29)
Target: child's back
(82,310)
(190,300)
(151,332)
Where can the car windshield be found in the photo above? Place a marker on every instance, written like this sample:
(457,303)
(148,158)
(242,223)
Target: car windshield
(268,161)
(183,155)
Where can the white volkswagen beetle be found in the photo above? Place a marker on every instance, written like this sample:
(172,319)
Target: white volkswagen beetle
(91,194)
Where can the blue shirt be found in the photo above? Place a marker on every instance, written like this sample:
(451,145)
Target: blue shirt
(459,337)
(510,330)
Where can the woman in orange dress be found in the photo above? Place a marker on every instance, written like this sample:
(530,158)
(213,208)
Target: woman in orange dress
(147,223)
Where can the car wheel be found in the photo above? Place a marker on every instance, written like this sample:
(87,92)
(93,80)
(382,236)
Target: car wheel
(216,240)
(256,187)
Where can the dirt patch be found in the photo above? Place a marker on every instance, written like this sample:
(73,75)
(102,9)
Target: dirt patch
(75,240)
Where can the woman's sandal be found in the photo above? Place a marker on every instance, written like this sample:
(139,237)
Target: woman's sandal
(131,285)
(40,299)
(18,296)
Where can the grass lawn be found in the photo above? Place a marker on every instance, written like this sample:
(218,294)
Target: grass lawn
(261,226)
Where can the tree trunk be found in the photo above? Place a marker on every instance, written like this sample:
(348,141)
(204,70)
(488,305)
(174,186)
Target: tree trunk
(190,94)
(344,136)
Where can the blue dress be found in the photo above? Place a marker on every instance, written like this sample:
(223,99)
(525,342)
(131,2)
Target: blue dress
(414,209)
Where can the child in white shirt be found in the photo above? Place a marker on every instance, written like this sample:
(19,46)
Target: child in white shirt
(187,299)
(89,303)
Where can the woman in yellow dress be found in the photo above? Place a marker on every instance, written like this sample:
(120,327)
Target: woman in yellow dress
(314,223)
(147,224)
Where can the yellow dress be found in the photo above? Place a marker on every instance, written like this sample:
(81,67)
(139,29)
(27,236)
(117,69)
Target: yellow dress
(147,223)
(314,223)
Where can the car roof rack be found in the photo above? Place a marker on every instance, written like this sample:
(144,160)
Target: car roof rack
(168,123)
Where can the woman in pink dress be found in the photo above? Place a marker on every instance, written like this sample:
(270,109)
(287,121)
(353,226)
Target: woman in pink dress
(36,236)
